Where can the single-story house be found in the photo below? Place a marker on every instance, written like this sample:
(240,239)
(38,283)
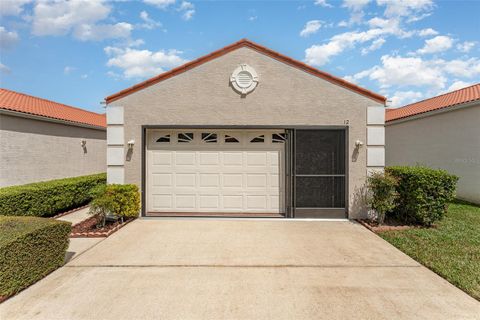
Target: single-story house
(246,131)
(441,132)
(44,140)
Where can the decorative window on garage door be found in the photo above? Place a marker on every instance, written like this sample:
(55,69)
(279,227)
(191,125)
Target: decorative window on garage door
(164,139)
(185,137)
(209,137)
(231,139)
(258,139)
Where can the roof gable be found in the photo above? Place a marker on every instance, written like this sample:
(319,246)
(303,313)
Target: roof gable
(19,102)
(446,100)
(261,49)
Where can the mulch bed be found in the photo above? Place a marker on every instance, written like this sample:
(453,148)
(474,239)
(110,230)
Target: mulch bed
(389,225)
(68,212)
(88,228)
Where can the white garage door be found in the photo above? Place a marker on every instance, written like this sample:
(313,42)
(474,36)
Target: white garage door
(194,171)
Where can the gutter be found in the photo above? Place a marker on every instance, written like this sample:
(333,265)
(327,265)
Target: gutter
(433,112)
(48,119)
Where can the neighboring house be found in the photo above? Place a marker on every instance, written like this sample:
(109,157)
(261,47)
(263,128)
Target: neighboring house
(441,132)
(245,131)
(43,140)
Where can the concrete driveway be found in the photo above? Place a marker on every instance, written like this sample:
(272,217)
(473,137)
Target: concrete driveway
(242,269)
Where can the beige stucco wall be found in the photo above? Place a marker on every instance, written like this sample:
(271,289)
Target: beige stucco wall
(448,140)
(284,96)
(33,150)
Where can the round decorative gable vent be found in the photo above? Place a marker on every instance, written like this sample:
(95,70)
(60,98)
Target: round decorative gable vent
(244,79)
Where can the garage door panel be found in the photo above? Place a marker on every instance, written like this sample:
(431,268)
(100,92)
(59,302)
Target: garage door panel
(232,180)
(210,180)
(162,201)
(185,180)
(256,202)
(162,158)
(233,202)
(255,159)
(232,158)
(257,180)
(209,158)
(209,202)
(215,177)
(185,158)
(185,201)
(162,179)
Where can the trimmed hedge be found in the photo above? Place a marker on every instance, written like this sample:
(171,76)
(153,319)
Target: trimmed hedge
(30,248)
(122,200)
(45,199)
(423,192)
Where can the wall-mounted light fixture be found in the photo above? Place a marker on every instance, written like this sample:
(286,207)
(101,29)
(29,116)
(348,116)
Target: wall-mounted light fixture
(358,143)
(83,143)
(130,144)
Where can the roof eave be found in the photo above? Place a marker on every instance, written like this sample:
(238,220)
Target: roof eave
(433,112)
(50,119)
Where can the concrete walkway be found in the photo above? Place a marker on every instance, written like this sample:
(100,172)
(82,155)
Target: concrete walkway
(239,269)
(77,216)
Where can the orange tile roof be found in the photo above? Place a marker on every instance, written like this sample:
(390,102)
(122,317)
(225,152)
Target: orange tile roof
(254,46)
(446,100)
(19,102)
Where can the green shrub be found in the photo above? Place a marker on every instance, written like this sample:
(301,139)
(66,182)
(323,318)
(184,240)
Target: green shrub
(30,248)
(382,194)
(424,193)
(45,199)
(121,200)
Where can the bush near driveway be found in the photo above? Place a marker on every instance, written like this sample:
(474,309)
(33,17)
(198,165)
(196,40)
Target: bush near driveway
(122,200)
(452,249)
(45,199)
(30,248)
(423,193)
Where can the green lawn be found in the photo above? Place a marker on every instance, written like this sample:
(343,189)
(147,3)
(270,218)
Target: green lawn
(452,249)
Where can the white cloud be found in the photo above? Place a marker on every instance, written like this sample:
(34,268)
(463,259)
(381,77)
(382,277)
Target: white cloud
(323,3)
(188,10)
(401,98)
(311,27)
(355,5)
(79,17)
(142,63)
(12,7)
(376,44)
(252,18)
(84,76)
(318,55)
(398,71)
(99,32)
(427,32)
(187,15)
(437,44)
(162,4)
(461,68)
(404,8)
(68,69)
(7,38)
(4,68)
(357,14)
(466,46)
(148,23)
(458,84)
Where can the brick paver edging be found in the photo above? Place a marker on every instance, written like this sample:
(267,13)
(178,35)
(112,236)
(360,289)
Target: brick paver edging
(99,234)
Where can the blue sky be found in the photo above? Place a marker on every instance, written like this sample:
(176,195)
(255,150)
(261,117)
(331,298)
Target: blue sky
(78,52)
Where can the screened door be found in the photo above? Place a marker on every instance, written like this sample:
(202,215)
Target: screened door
(319,173)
